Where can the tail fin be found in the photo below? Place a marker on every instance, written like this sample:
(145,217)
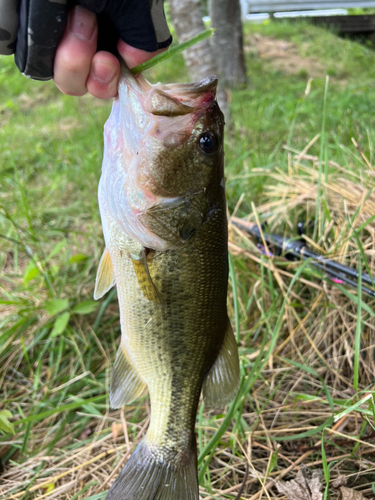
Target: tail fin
(145,477)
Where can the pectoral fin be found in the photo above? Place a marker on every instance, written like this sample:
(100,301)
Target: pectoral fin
(176,221)
(142,272)
(222,381)
(105,278)
(126,384)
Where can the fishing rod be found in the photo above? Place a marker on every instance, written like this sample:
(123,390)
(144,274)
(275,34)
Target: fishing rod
(295,249)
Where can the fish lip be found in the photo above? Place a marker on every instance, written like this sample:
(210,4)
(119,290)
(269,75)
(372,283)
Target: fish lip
(206,85)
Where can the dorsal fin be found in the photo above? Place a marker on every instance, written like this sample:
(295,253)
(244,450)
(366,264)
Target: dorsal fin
(105,278)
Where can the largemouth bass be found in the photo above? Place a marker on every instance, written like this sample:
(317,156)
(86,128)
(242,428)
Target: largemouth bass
(163,210)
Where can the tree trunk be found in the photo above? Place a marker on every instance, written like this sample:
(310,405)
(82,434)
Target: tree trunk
(228,46)
(187,20)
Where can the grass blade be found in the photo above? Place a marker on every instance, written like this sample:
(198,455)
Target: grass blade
(306,434)
(70,406)
(172,51)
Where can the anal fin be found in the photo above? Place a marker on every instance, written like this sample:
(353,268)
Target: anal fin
(126,384)
(105,278)
(222,382)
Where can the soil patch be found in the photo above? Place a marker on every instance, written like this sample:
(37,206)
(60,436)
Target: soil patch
(284,56)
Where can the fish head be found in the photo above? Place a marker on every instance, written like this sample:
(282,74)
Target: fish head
(185,142)
(163,147)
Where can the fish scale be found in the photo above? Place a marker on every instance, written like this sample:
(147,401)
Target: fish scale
(163,210)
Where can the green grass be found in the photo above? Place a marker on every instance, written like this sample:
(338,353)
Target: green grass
(306,353)
(273,101)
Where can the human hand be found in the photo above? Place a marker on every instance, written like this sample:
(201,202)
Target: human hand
(78,68)
(48,40)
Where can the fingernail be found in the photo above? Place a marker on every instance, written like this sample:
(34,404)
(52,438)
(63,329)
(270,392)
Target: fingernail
(82,23)
(103,71)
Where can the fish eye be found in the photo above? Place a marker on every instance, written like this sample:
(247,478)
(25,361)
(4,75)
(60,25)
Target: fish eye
(208,143)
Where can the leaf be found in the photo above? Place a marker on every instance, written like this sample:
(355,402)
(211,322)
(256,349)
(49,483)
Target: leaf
(273,461)
(55,250)
(89,408)
(50,487)
(307,485)
(350,494)
(98,496)
(60,324)
(78,257)
(5,425)
(30,273)
(339,481)
(345,493)
(54,269)
(85,307)
(55,306)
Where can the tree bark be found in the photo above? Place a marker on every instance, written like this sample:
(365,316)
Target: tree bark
(187,20)
(228,46)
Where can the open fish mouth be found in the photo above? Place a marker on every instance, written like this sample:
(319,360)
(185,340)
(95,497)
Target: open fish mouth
(175,99)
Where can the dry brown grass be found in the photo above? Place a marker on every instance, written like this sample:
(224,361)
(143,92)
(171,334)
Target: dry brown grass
(308,374)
